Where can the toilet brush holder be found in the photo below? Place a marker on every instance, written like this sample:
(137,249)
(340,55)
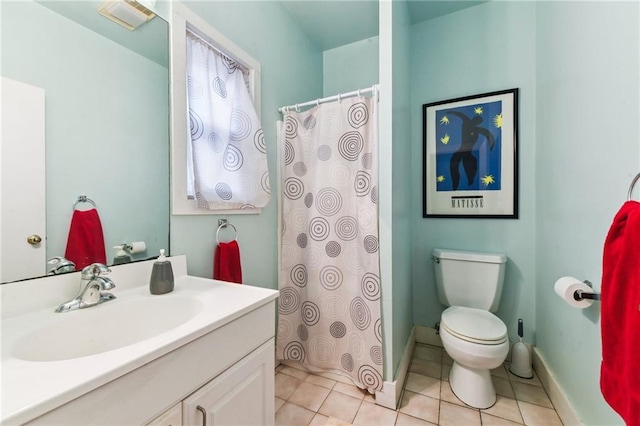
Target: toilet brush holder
(521,357)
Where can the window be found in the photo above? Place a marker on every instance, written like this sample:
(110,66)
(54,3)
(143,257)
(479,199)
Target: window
(189,28)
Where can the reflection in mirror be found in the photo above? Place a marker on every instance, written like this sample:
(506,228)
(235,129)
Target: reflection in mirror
(106,122)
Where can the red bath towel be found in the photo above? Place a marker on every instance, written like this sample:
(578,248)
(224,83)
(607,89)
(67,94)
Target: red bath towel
(85,244)
(620,321)
(226,263)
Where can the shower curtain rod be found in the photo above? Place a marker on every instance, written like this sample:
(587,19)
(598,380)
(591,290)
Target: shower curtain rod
(373,90)
(219,52)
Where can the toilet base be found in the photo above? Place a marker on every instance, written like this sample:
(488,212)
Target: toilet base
(472,386)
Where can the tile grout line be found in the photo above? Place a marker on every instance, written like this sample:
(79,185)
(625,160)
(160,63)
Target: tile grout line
(510,380)
(357,411)
(514,396)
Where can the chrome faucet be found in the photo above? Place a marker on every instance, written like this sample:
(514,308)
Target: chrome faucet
(92,286)
(59,265)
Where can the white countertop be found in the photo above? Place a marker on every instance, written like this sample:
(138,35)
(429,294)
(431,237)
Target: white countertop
(30,389)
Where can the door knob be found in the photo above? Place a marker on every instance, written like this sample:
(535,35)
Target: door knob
(34,239)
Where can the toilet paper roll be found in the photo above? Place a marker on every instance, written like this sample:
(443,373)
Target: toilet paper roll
(137,247)
(565,287)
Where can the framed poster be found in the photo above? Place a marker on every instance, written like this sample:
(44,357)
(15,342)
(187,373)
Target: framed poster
(470,164)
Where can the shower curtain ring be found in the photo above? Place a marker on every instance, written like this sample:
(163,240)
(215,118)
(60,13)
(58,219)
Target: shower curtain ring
(339,97)
(358,92)
(297,108)
(318,102)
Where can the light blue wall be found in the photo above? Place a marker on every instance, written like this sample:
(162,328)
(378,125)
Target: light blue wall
(482,49)
(106,125)
(351,67)
(588,150)
(402,315)
(576,63)
(291,68)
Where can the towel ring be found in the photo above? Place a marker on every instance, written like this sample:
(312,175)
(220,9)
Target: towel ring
(84,199)
(633,183)
(224,225)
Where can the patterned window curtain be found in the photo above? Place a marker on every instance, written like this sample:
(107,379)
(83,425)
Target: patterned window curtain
(329,305)
(226,152)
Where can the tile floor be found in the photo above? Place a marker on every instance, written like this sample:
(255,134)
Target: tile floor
(307,399)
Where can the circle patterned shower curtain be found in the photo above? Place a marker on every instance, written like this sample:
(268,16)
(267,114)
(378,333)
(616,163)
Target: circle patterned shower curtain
(330,293)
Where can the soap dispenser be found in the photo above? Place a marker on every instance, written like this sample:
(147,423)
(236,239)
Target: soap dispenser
(161,281)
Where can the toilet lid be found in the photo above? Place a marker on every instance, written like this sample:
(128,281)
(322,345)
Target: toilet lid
(474,325)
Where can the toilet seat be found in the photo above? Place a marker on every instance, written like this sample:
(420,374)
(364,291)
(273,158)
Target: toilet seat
(474,325)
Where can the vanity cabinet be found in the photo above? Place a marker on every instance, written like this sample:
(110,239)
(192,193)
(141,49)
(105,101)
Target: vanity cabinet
(227,372)
(242,395)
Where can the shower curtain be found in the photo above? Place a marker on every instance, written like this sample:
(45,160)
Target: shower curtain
(329,305)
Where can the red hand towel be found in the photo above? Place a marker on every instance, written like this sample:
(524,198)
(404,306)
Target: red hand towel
(226,263)
(85,244)
(620,318)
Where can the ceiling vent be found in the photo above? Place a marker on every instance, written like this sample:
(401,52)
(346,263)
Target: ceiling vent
(128,13)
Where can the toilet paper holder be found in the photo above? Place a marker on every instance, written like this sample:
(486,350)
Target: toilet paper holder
(581,295)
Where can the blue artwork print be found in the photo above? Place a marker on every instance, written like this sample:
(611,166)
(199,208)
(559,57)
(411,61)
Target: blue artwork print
(468,147)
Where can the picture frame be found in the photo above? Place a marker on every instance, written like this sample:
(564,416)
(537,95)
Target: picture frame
(470,157)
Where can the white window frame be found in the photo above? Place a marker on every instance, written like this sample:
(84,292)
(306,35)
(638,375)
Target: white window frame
(181,19)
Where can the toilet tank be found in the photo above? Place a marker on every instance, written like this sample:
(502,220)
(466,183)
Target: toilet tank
(469,279)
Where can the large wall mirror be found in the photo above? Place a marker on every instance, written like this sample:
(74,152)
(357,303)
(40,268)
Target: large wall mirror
(106,92)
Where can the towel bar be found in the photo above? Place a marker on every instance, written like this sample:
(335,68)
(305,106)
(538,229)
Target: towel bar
(84,199)
(633,183)
(223,223)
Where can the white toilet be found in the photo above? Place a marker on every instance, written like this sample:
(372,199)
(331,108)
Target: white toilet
(470,283)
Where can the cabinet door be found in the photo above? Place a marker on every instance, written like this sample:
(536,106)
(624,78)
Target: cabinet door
(242,395)
(171,417)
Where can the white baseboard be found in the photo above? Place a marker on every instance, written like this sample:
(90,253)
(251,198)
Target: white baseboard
(389,396)
(391,391)
(427,336)
(556,394)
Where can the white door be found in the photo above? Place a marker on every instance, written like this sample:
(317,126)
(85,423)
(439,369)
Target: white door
(242,395)
(22,181)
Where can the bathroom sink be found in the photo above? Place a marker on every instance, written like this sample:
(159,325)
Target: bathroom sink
(103,328)
(57,365)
